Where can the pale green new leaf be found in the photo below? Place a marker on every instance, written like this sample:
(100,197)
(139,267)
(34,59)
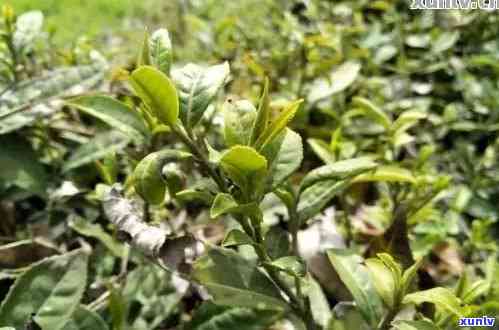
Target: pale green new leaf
(285,155)
(197,88)
(263,114)
(147,176)
(409,275)
(354,275)
(373,112)
(160,50)
(441,297)
(383,280)
(51,290)
(114,113)
(245,159)
(278,125)
(340,170)
(102,145)
(387,173)
(158,93)
(239,118)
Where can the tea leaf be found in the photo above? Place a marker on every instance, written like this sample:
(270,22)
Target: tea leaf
(356,278)
(235,281)
(373,112)
(197,87)
(148,178)
(158,93)
(51,290)
(20,166)
(245,159)
(160,50)
(263,114)
(236,237)
(314,198)
(387,174)
(338,171)
(442,297)
(99,147)
(214,317)
(85,319)
(114,113)
(383,280)
(278,125)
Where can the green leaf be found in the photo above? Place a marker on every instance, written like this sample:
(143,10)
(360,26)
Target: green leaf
(213,317)
(160,50)
(341,78)
(85,319)
(338,171)
(147,176)
(321,149)
(102,145)
(291,265)
(225,203)
(407,119)
(445,41)
(51,290)
(236,237)
(114,113)
(383,280)
(86,228)
(277,242)
(387,173)
(235,281)
(415,325)
(314,198)
(158,93)
(285,157)
(441,297)
(354,275)
(197,88)
(245,159)
(373,112)
(20,166)
(409,275)
(144,57)
(319,306)
(263,114)
(239,118)
(32,96)
(278,125)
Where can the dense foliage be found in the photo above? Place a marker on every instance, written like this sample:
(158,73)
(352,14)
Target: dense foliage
(257,165)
